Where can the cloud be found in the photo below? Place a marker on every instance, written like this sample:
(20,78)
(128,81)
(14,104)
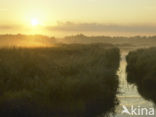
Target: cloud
(9,27)
(86,28)
(97,27)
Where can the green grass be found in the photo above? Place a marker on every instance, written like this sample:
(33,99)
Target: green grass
(141,71)
(63,81)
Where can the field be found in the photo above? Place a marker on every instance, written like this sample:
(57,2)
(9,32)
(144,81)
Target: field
(141,71)
(21,40)
(63,81)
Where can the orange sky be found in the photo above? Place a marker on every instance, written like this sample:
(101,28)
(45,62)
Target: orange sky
(65,17)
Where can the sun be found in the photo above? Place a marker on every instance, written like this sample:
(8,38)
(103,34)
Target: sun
(34,22)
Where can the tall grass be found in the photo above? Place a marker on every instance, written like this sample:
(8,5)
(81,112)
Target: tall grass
(141,71)
(64,81)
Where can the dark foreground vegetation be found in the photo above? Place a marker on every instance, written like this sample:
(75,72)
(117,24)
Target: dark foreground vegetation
(64,81)
(141,71)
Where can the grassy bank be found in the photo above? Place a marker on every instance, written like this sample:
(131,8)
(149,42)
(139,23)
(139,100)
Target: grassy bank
(141,71)
(63,81)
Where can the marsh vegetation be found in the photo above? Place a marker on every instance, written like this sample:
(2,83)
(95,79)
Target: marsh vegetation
(141,71)
(73,80)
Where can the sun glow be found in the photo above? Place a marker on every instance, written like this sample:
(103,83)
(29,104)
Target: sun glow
(34,22)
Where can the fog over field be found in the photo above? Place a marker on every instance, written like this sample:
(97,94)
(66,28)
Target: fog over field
(21,40)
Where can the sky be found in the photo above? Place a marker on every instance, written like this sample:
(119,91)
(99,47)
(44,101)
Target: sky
(67,17)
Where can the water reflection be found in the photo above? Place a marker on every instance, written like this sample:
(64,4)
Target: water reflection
(128,95)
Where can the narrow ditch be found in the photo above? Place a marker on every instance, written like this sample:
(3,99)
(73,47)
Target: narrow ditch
(128,94)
